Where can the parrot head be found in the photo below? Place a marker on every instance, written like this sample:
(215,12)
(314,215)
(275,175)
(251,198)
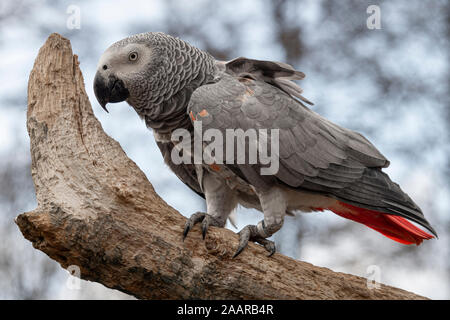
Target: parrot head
(126,69)
(147,69)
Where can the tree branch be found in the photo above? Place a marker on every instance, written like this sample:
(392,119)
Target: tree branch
(97,210)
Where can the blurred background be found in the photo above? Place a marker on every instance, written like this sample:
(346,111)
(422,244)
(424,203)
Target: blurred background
(391,84)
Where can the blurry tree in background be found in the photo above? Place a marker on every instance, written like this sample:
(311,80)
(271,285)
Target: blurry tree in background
(390,84)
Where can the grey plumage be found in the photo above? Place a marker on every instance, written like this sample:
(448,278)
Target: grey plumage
(315,154)
(319,160)
(165,85)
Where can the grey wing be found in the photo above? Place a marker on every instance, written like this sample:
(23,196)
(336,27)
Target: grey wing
(184,172)
(315,154)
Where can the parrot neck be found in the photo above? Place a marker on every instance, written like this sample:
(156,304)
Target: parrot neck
(171,113)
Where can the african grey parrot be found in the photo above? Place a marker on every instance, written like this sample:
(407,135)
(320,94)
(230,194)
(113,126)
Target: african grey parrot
(172,85)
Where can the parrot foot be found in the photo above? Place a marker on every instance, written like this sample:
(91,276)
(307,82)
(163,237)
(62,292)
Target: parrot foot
(206,219)
(250,233)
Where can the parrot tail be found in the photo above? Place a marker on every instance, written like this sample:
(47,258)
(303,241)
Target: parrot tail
(391,226)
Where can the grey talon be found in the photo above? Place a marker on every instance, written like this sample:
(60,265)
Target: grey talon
(244,236)
(192,221)
(206,219)
(250,233)
(186,231)
(205,225)
(269,246)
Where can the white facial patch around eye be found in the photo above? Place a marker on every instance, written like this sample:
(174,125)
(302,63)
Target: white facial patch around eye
(126,65)
(116,59)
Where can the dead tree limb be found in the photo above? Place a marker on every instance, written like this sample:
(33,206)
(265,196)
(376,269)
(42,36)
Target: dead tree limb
(97,210)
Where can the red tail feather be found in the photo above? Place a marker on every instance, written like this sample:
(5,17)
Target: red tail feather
(393,227)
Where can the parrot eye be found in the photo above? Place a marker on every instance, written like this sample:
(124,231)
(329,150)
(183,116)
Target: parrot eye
(133,56)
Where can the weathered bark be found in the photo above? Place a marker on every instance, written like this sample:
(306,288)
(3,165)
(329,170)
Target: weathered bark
(97,210)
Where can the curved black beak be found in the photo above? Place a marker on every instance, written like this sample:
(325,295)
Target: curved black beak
(110,89)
